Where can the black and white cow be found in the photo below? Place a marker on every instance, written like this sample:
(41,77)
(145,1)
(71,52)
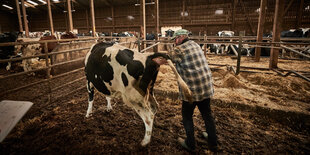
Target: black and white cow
(244,49)
(119,72)
(150,36)
(296,33)
(226,33)
(7,51)
(265,51)
(169,33)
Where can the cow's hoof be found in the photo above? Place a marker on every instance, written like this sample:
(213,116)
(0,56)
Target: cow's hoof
(144,143)
(109,109)
(88,115)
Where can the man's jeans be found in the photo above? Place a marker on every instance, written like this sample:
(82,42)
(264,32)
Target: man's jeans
(205,110)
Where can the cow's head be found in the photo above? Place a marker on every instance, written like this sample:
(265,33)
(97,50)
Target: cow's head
(146,83)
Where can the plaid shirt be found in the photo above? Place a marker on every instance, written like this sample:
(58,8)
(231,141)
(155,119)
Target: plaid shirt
(193,67)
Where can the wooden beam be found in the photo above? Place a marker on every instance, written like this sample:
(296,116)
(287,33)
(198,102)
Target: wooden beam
(92,12)
(25,18)
(19,17)
(260,28)
(277,24)
(300,11)
(247,17)
(50,16)
(288,6)
(70,15)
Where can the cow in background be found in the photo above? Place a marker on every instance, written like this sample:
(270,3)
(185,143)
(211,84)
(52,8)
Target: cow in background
(226,33)
(117,71)
(25,51)
(169,33)
(52,45)
(296,33)
(150,36)
(68,35)
(6,52)
(264,51)
(219,48)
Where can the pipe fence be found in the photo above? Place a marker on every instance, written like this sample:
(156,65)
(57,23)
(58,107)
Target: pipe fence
(205,40)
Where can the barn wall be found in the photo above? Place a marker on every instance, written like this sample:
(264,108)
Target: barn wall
(8,22)
(201,17)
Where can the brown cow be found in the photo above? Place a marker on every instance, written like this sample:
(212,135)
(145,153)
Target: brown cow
(52,45)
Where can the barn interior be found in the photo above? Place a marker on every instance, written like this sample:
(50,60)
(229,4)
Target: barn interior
(260,105)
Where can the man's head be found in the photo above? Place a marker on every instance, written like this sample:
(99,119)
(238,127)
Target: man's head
(179,36)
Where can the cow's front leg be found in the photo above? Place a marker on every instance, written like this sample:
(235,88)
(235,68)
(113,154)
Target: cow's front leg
(148,119)
(109,106)
(90,89)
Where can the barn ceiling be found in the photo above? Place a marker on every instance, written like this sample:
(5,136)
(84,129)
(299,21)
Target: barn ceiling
(36,6)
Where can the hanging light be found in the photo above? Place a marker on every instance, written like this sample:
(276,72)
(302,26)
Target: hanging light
(130,17)
(32,2)
(42,1)
(6,6)
(150,3)
(219,12)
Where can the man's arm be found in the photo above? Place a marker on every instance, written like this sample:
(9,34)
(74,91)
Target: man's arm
(176,55)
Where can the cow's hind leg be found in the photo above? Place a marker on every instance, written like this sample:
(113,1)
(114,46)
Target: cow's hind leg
(90,90)
(148,119)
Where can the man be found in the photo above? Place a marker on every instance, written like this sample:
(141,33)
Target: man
(193,68)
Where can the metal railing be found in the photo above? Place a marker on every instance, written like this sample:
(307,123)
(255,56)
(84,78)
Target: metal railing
(49,66)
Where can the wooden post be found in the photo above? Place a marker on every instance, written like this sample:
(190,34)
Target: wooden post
(183,10)
(277,23)
(92,12)
(205,45)
(157,17)
(19,17)
(50,16)
(113,18)
(300,11)
(260,28)
(48,73)
(25,18)
(142,18)
(241,33)
(70,15)
(157,22)
(87,21)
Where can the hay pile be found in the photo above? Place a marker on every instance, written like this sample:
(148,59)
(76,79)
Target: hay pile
(256,89)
